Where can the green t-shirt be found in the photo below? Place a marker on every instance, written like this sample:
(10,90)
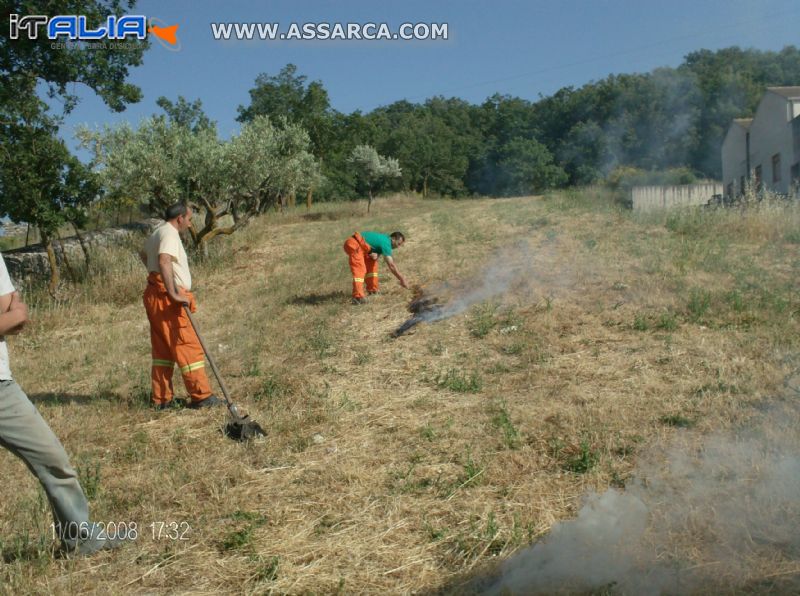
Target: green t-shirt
(380,243)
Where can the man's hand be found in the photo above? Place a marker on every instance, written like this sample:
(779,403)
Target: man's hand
(179,296)
(403,282)
(373,256)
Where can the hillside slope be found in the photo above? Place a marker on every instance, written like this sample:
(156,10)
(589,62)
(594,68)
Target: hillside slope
(400,465)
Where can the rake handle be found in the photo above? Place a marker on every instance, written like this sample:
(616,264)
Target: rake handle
(231,407)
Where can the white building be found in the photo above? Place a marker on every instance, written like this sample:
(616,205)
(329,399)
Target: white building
(765,149)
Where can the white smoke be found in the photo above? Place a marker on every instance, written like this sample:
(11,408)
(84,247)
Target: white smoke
(702,515)
(519,267)
(598,543)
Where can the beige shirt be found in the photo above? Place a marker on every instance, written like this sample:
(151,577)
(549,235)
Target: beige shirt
(166,240)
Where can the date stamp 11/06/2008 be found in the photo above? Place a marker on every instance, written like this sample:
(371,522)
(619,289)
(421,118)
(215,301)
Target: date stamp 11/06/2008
(122,530)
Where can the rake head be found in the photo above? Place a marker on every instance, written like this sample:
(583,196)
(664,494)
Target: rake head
(243,429)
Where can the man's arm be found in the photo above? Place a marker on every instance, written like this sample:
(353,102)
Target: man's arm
(165,266)
(6,300)
(15,317)
(393,268)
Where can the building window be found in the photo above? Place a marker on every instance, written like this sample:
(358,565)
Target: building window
(758,178)
(776,168)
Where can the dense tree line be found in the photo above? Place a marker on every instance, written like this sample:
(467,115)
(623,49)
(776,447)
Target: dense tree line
(668,119)
(292,140)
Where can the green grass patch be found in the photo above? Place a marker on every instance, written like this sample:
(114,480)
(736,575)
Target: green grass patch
(427,432)
(512,349)
(583,461)
(266,568)
(689,223)
(677,420)
(88,470)
(641,322)
(667,321)
(698,304)
(501,420)
(472,472)
(482,320)
(272,388)
(459,381)
(248,522)
(319,342)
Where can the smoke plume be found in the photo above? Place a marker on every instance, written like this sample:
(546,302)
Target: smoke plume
(519,269)
(714,514)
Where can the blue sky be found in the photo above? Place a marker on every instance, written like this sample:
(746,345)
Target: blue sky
(512,47)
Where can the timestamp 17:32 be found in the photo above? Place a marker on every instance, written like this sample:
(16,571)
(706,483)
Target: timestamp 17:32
(158,530)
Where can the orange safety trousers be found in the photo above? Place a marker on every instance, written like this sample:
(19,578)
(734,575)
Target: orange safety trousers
(361,265)
(173,341)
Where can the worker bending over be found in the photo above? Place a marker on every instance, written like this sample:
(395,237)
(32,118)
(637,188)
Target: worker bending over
(363,250)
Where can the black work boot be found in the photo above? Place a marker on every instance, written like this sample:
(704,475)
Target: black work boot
(211,400)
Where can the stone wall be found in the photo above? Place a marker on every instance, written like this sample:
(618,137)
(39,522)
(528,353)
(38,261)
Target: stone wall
(31,264)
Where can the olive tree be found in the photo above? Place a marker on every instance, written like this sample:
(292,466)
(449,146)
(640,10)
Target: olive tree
(164,161)
(373,169)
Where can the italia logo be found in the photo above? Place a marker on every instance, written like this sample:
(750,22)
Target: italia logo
(76,28)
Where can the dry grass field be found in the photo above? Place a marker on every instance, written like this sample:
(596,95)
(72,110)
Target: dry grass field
(401,465)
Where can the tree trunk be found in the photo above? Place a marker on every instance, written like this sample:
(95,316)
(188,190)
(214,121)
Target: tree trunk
(425,187)
(51,257)
(292,199)
(70,270)
(369,202)
(27,231)
(84,247)
(309,196)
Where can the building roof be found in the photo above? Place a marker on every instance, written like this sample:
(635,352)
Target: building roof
(743,122)
(787,92)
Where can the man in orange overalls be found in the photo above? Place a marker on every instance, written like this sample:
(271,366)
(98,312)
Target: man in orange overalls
(172,337)
(363,250)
